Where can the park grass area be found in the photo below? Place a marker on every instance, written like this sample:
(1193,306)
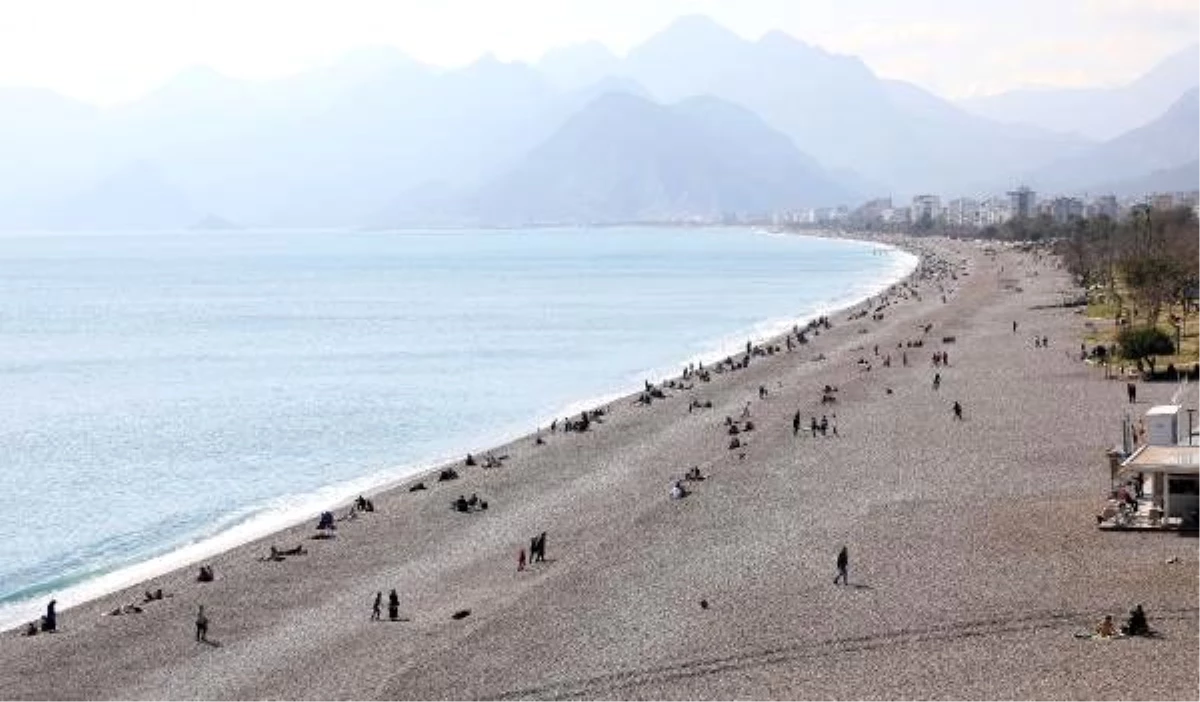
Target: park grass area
(1102,314)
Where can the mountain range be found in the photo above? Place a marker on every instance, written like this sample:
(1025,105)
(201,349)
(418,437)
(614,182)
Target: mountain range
(627,158)
(695,122)
(1156,147)
(1096,113)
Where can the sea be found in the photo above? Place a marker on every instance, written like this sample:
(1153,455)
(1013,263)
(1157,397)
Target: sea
(168,395)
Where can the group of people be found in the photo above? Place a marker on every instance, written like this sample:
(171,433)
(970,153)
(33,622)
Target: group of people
(463,504)
(48,623)
(393,606)
(537,551)
(1135,625)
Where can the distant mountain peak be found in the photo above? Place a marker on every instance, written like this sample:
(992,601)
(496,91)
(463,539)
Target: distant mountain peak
(695,29)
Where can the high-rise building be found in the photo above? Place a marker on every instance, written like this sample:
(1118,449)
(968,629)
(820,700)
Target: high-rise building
(1022,202)
(926,206)
(1105,205)
(963,211)
(1064,209)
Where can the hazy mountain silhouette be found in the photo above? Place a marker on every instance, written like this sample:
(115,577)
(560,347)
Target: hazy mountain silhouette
(834,108)
(1169,141)
(379,132)
(135,197)
(626,158)
(1181,178)
(1100,113)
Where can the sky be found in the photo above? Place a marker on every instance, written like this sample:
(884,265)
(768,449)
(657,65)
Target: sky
(114,51)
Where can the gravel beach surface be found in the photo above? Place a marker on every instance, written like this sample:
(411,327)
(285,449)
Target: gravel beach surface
(974,556)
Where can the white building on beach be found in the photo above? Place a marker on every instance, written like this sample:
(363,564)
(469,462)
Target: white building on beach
(1168,468)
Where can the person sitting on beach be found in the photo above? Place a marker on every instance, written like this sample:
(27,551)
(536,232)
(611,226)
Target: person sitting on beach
(694,474)
(461,504)
(473,501)
(50,621)
(1106,629)
(677,491)
(1137,624)
(206,574)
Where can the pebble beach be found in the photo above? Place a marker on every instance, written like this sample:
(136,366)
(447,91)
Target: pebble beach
(974,555)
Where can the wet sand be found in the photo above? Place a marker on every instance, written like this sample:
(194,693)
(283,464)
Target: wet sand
(974,555)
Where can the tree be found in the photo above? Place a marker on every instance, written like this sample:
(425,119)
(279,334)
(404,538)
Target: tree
(1138,343)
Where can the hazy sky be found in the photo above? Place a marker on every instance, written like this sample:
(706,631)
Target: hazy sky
(114,50)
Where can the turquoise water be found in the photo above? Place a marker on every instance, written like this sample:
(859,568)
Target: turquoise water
(161,390)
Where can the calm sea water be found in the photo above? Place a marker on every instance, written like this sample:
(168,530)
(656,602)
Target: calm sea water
(166,394)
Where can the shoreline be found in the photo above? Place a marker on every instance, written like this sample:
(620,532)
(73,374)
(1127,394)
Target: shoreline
(268,521)
(972,544)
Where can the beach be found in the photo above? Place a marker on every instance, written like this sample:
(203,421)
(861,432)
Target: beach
(974,555)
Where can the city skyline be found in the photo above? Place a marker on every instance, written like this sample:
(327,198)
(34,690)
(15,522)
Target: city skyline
(115,52)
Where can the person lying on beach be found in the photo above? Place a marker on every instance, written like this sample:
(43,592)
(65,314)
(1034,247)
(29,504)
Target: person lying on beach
(155,596)
(124,609)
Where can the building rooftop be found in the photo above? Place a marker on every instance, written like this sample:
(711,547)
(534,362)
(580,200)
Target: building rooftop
(1171,459)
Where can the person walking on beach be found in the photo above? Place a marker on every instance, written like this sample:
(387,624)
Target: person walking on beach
(958,411)
(377,607)
(201,625)
(393,605)
(1131,391)
(796,423)
(813,425)
(937,380)
(521,561)
(541,550)
(843,565)
(1014,326)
